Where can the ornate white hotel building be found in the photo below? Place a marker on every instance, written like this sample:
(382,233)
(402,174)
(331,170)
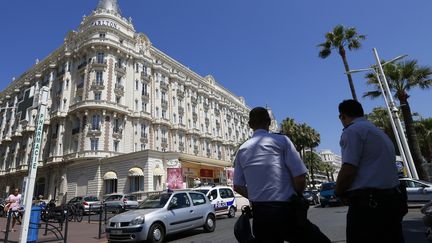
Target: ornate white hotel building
(122,117)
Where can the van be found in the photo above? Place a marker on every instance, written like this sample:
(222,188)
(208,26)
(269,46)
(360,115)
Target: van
(222,198)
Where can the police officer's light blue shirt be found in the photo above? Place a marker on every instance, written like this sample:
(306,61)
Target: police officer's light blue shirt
(266,164)
(372,152)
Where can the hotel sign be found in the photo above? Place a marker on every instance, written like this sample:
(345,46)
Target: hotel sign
(105,22)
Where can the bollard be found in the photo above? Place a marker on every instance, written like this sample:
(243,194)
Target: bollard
(66,228)
(46,223)
(9,217)
(100,223)
(89,212)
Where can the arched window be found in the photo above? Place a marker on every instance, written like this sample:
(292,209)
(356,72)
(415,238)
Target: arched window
(110,182)
(136,179)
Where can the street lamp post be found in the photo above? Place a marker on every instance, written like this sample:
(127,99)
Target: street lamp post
(395,116)
(393,113)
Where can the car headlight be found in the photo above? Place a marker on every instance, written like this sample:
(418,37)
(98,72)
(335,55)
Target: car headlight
(137,221)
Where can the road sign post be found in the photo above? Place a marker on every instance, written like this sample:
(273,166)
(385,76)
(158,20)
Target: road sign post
(29,190)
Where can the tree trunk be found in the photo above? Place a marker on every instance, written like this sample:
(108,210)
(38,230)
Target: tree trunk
(350,81)
(412,135)
(312,168)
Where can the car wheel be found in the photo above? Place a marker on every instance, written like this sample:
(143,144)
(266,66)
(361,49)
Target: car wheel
(231,212)
(210,223)
(156,233)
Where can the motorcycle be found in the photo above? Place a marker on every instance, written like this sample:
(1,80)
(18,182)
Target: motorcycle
(52,212)
(427,219)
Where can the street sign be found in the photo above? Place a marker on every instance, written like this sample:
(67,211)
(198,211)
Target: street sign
(29,189)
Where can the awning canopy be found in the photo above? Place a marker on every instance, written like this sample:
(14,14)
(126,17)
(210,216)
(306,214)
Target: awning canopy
(158,172)
(136,172)
(111,175)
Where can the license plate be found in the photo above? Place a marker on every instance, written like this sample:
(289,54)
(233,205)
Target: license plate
(116,232)
(333,200)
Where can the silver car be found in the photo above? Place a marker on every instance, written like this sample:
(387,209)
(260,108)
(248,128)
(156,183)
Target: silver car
(163,214)
(118,203)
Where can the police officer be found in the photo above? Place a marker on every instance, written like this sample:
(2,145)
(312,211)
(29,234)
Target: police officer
(270,173)
(368,180)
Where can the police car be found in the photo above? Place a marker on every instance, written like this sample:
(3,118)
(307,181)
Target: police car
(222,198)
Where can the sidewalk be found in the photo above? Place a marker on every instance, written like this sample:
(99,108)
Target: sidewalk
(78,233)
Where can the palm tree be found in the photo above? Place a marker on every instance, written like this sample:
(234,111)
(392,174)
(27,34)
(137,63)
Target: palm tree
(424,131)
(402,77)
(338,39)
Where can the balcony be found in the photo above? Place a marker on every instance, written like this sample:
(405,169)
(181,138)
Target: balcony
(119,89)
(194,116)
(144,138)
(89,154)
(164,103)
(95,131)
(97,85)
(180,110)
(164,142)
(206,106)
(180,93)
(145,96)
(194,100)
(120,69)
(99,65)
(99,104)
(117,133)
(145,76)
(164,85)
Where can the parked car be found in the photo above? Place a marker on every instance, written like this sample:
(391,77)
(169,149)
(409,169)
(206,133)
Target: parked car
(311,196)
(327,194)
(86,203)
(417,190)
(120,202)
(222,198)
(162,214)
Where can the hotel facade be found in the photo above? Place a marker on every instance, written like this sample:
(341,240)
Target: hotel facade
(122,117)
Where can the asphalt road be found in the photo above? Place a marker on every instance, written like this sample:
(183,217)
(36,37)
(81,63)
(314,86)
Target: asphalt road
(330,220)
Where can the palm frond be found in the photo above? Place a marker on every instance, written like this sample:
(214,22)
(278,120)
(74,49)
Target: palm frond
(324,53)
(372,94)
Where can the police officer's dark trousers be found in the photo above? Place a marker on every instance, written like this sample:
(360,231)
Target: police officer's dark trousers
(274,222)
(374,217)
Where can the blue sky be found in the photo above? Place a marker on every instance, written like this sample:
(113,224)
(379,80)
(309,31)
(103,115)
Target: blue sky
(262,50)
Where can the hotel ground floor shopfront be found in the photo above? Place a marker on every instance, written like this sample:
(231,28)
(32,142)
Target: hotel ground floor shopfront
(135,173)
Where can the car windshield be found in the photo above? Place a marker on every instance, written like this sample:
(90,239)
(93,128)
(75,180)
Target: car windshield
(91,199)
(155,201)
(329,186)
(203,191)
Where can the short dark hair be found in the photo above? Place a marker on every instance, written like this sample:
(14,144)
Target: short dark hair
(351,108)
(259,116)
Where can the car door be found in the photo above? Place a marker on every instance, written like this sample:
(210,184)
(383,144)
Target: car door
(180,212)
(425,191)
(414,191)
(200,207)
(225,198)
(216,201)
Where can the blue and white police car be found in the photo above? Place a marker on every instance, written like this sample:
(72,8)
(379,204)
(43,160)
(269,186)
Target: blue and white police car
(222,198)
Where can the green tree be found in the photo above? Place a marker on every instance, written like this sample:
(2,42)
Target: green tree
(424,131)
(339,39)
(402,77)
(379,116)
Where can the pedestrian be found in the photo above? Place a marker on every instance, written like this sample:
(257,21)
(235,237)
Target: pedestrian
(368,180)
(270,173)
(15,200)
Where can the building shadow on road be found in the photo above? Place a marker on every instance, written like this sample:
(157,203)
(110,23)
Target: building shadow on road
(414,231)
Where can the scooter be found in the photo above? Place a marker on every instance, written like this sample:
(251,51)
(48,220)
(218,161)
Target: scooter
(2,212)
(427,219)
